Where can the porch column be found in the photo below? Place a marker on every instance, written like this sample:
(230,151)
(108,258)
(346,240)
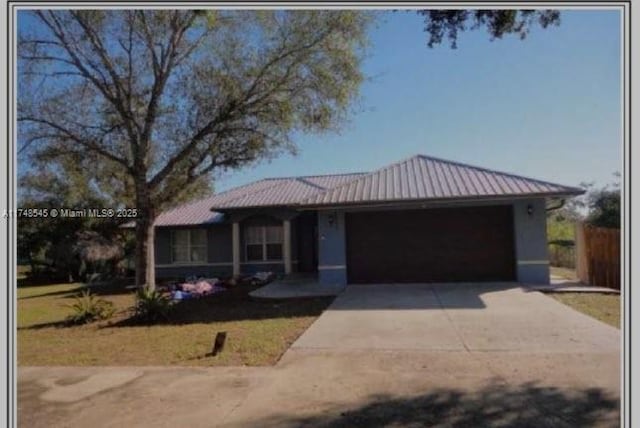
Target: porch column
(286,248)
(235,237)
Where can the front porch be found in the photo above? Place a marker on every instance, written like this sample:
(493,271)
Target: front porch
(284,242)
(285,238)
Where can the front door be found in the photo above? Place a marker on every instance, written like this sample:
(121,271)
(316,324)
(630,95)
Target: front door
(307,231)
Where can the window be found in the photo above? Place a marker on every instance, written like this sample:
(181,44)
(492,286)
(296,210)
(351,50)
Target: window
(263,243)
(273,242)
(253,238)
(189,246)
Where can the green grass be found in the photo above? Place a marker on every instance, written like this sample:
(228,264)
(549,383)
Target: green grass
(258,331)
(604,307)
(33,310)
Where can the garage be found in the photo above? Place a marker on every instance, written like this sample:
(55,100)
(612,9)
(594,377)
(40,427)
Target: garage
(431,245)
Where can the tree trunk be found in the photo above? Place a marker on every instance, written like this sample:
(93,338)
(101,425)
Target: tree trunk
(151,257)
(145,260)
(145,234)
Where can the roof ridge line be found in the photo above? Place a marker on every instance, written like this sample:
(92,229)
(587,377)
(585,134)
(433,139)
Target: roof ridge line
(493,171)
(362,177)
(291,177)
(212,195)
(300,178)
(244,195)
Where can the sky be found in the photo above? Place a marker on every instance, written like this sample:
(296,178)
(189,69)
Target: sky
(547,107)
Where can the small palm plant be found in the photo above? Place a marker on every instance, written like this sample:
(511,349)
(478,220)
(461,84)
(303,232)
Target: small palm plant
(88,308)
(152,306)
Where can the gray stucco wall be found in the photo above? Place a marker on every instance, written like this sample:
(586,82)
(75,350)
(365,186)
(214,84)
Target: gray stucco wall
(530,235)
(332,259)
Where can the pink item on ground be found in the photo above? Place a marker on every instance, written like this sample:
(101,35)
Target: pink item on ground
(202,287)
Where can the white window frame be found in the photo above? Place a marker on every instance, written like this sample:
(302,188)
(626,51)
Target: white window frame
(264,243)
(189,246)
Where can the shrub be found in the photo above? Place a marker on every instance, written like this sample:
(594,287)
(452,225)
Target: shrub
(87,308)
(152,306)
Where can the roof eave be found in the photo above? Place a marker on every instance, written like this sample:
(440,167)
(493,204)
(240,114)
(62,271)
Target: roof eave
(403,202)
(568,193)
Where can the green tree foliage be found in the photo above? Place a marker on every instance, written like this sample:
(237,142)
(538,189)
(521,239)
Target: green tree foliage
(54,247)
(604,208)
(49,244)
(599,206)
(446,24)
(559,227)
(165,99)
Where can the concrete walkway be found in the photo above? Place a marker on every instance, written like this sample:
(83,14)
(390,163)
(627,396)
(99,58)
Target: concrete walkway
(294,288)
(563,285)
(573,287)
(383,355)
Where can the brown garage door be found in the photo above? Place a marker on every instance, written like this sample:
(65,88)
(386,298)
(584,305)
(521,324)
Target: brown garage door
(444,244)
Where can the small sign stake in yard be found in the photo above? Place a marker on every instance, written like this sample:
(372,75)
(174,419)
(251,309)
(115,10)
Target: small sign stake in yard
(218,343)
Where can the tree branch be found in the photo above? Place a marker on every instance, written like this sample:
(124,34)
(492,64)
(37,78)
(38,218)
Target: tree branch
(102,86)
(165,66)
(90,145)
(210,126)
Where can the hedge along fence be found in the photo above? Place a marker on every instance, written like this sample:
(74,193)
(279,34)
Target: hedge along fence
(562,253)
(598,255)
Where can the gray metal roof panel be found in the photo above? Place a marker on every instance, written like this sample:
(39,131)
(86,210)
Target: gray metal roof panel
(423,177)
(266,192)
(417,178)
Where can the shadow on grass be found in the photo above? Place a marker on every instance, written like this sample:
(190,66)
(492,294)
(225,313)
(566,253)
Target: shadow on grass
(53,324)
(60,293)
(235,304)
(526,405)
(231,305)
(65,323)
(28,281)
(98,290)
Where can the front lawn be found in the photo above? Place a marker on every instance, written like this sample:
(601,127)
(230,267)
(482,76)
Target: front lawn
(258,331)
(604,307)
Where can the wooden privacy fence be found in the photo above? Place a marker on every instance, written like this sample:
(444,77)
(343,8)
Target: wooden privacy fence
(598,256)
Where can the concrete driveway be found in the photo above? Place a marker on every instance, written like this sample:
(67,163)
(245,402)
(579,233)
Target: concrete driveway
(482,317)
(382,355)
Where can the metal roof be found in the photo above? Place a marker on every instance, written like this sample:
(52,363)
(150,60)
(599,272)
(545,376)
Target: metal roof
(419,178)
(262,193)
(427,178)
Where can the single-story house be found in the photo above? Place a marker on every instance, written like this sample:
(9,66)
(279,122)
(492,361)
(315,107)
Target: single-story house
(422,219)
